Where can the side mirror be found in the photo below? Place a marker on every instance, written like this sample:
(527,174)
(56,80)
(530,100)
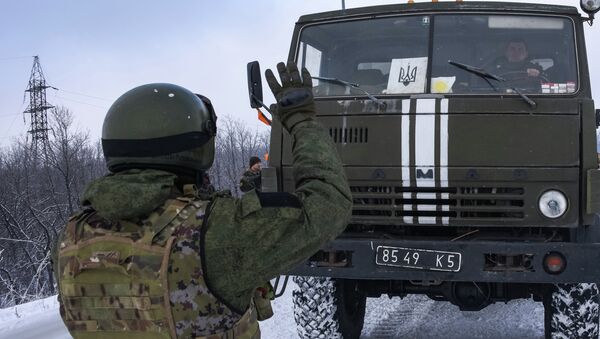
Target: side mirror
(597,118)
(255,85)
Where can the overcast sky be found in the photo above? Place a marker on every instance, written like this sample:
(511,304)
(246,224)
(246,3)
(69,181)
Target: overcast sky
(95,50)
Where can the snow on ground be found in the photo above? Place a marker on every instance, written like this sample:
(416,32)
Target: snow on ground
(37,319)
(413,317)
(417,317)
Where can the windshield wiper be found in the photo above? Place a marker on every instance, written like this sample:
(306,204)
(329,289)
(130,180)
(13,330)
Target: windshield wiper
(478,71)
(526,98)
(352,85)
(487,75)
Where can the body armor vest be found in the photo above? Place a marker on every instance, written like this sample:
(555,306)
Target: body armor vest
(143,279)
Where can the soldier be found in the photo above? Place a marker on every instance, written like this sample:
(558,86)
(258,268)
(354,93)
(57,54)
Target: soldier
(251,178)
(207,186)
(515,63)
(148,258)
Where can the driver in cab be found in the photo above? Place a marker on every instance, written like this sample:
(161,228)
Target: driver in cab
(516,65)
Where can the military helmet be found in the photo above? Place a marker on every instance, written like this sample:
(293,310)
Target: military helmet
(161,126)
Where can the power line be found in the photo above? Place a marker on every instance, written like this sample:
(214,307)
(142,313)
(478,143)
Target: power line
(5,136)
(80,102)
(15,58)
(11,125)
(9,115)
(84,95)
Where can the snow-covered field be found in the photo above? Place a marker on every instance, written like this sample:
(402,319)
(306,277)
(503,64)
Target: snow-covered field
(412,317)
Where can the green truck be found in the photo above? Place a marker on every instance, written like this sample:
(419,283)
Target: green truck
(468,135)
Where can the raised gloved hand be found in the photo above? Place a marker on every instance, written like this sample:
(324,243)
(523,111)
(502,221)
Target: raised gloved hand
(294,96)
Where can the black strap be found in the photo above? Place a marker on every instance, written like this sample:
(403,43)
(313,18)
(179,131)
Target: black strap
(279,199)
(155,146)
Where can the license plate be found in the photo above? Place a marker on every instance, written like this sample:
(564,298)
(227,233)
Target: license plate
(418,258)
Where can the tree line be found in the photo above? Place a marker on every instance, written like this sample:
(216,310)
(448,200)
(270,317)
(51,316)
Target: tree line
(40,190)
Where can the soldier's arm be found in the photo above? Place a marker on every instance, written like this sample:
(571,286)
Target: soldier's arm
(245,184)
(270,233)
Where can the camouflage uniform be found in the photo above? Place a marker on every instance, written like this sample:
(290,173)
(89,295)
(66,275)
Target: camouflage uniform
(250,180)
(211,253)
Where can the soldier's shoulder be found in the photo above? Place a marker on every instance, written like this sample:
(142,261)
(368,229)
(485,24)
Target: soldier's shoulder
(248,173)
(210,200)
(84,212)
(76,216)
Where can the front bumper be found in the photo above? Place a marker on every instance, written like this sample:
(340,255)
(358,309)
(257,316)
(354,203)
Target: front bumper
(582,261)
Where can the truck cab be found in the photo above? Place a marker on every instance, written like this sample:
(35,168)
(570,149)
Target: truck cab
(468,136)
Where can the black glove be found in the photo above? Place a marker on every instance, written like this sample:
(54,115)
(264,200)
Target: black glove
(294,96)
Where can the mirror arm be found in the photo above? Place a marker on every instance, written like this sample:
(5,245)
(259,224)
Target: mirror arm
(262,104)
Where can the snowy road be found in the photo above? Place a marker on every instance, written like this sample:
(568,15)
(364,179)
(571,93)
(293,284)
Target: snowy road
(413,317)
(417,317)
(420,317)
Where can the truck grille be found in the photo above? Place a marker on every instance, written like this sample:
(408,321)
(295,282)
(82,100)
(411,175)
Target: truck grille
(349,135)
(430,205)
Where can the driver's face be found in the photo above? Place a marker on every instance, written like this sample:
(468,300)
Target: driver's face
(256,167)
(516,52)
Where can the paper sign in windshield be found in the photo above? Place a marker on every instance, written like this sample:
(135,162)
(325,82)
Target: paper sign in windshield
(407,76)
(442,84)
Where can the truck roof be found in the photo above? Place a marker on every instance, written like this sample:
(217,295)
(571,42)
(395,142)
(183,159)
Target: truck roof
(440,7)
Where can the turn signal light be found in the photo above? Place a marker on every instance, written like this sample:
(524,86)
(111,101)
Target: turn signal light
(554,263)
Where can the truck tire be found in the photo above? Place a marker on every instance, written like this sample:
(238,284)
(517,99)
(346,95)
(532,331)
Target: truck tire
(571,311)
(328,308)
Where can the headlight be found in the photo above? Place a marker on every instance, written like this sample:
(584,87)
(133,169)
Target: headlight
(553,204)
(590,6)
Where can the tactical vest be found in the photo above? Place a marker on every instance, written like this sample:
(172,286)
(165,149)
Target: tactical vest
(143,280)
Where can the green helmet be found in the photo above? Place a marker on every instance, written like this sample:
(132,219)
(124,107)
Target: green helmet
(160,126)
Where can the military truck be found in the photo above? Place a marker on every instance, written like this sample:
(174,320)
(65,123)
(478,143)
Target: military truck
(468,135)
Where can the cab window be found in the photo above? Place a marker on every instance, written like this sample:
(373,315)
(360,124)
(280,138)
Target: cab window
(382,56)
(531,54)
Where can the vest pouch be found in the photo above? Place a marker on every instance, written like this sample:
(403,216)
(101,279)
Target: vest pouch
(118,285)
(114,256)
(262,301)
(103,260)
(264,310)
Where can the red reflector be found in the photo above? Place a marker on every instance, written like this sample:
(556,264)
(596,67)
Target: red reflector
(554,263)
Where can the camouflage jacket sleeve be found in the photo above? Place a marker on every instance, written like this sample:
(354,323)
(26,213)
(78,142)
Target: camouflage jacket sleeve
(246,183)
(260,236)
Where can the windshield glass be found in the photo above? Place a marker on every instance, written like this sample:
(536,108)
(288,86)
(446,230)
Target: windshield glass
(533,54)
(382,56)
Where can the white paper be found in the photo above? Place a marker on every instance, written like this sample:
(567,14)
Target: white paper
(442,84)
(407,76)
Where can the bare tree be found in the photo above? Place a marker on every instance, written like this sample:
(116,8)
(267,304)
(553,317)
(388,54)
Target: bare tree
(235,144)
(37,197)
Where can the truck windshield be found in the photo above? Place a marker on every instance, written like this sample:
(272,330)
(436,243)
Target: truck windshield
(395,55)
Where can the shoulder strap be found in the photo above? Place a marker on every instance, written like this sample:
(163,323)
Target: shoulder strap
(160,219)
(72,233)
